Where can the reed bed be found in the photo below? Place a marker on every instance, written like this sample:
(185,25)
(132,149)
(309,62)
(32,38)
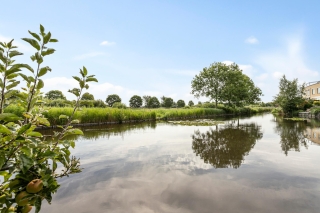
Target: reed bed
(115,115)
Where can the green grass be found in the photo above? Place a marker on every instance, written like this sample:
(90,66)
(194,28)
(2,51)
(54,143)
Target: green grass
(101,115)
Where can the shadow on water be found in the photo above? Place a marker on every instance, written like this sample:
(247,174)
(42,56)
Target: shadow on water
(225,146)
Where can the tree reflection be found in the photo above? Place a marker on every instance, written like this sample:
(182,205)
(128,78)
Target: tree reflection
(226,146)
(292,134)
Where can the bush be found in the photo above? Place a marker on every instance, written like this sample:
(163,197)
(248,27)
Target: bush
(119,105)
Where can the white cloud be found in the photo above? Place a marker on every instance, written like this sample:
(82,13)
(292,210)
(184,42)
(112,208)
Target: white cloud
(263,76)
(88,55)
(252,40)
(228,62)
(287,59)
(277,75)
(107,43)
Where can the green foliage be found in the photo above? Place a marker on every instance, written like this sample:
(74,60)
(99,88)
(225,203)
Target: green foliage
(119,105)
(135,101)
(190,103)
(290,95)
(153,102)
(180,103)
(111,99)
(99,103)
(316,103)
(26,155)
(166,102)
(54,94)
(87,97)
(225,83)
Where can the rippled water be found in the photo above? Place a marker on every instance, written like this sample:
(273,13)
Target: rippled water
(256,164)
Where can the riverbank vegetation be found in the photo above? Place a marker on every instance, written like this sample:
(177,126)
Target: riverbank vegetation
(115,115)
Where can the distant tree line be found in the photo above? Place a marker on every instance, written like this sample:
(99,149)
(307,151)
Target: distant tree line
(57,98)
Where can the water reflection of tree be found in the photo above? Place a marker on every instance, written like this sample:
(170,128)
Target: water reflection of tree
(292,134)
(226,146)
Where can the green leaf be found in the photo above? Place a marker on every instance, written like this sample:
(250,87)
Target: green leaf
(41,30)
(10,86)
(43,71)
(43,121)
(27,151)
(63,117)
(53,40)
(24,77)
(5,130)
(75,121)
(32,42)
(38,58)
(76,78)
(38,204)
(9,117)
(35,35)
(25,66)
(34,134)
(13,69)
(73,132)
(85,72)
(5,174)
(14,53)
(92,79)
(25,163)
(9,44)
(48,154)
(24,128)
(12,76)
(3,159)
(49,51)
(46,38)
(72,144)
(81,83)
(40,84)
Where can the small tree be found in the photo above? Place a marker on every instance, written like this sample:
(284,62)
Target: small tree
(290,95)
(180,103)
(153,102)
(146,99)
(54,94)
(111,99)
(166,102)
(190,103)
(135,101)
(87,97)
(28,160)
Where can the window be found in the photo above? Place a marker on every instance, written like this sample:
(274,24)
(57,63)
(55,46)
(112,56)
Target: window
(313,91)
(308,92)
(319,90)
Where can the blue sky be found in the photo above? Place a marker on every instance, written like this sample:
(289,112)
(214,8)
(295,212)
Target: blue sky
(157,47)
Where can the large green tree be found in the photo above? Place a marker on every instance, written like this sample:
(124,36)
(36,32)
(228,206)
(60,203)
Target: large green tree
(225,83)
(290,94)
(54,94)
(111,99)
(135,101)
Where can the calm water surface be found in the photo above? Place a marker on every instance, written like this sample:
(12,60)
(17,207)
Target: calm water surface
(256,164)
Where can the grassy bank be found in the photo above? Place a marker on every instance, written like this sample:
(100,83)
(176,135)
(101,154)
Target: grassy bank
(101,115)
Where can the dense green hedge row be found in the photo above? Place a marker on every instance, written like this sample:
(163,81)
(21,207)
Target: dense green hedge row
(100,115)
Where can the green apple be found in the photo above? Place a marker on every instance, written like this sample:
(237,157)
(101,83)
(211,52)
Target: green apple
(26,209)
(34,186)
(19,198)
